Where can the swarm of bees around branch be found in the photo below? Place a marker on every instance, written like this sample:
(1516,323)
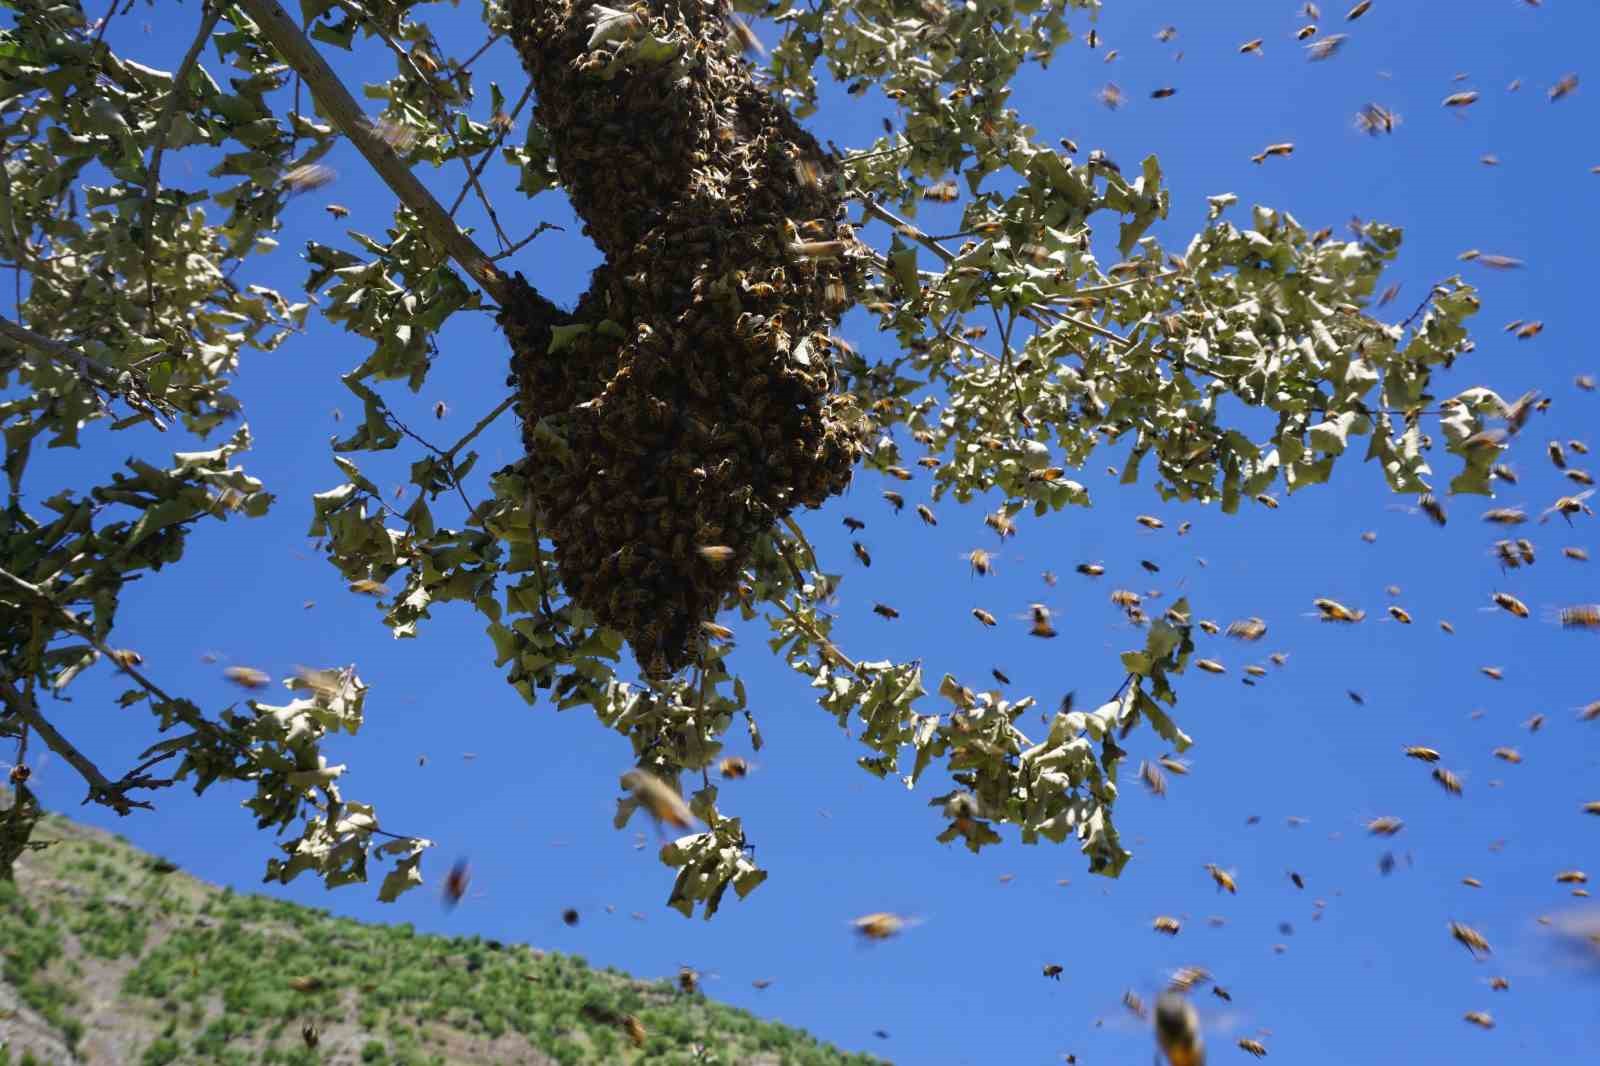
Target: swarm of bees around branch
(709,413)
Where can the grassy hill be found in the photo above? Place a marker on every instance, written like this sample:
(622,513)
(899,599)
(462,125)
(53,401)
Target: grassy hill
(112,956)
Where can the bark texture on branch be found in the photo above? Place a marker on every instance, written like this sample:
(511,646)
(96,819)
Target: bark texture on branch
(702,411)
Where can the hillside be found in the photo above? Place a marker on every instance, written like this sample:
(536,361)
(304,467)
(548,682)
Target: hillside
(112,956)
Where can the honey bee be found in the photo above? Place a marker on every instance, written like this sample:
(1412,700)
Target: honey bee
(1253,1047)
(1589,712)
(1369,537)
(1090,569)
(885,611)
(247,677)
(1334,611)
(1153,779)
(1177,1028)
(1425,754)
(309,1034)
(1053,971)
(880,925)
(1166,924)
(1461,99)
(1040,621)
(1149,521)
(1386,826)
(1592,807)
(1447,627)
(981,562)
(1278,658)
(983,616)
(1430,506)
(715,554)
(307,177)
(1251,47)
(368,587)
(1506,516)
(1111,95)
(338,211)
(1256,671)
(1209,627)
(734,767)
(1210,666)
(1479,1018)
(861,553)
(635,1030)
(1001,523)
(1571,877)
(1135,1005)
(1124,598)
(1447,780)
(1470,939)
(1223,879)
(896,500)
(1222,993)
(1049,577)
(1567,506)
(1510,755)
(926,514)
(1563,87)
(1534,723)
(1583,616)
(658,798)
(1493,673)
(1399,615)
(1177,766)
(943,192)
(126,657)
(455,884)
(1510,603)
(1251,629)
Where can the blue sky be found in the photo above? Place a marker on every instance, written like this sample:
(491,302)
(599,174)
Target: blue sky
(1376,979)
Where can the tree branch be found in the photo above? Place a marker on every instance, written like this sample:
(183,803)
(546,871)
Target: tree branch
(99,787)
(346,115)
(94,374)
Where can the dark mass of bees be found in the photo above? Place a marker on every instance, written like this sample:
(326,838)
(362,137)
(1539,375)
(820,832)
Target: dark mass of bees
(706,413)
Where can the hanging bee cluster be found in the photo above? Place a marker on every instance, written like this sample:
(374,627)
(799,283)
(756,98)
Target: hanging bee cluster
(688,399)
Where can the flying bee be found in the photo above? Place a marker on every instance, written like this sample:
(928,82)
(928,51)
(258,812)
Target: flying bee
(1399,615)
(658,798)
(1578,446)
(1424,754)
(1049,577)
(1508,602)
(926,514)
(1124,598)
(455,884)
(981,562)
(1111,95)
(1525,550)
(1153,779)
(896,500)
(715,554)
(1209,627)
(885,611)
(1567,506)
(1579,555)
(1480,1018)
(1001,523)
(1506,516)
(1256,671)
(1447,780)
(1493,673)
(1563,87)
(984,616)
(880,925)
(1571,877)
(1583,616)
(943,192)
(1334,611)
(247,676)
(1535,723)
(734,767)
(1223,878)
(1386,826)
(1177,1029)
(1177,766)
(1053,971)
(1210,666)
(1510,755)
(1447,627)
(716,631)
(1090,569)
(1278,658)
(1149,521)
(1470,939)
(1253,1047)
(338,211)
(1167,924)
(861,553)
(1135,1005)
(1557,456)
(1251,629)
(1039,625)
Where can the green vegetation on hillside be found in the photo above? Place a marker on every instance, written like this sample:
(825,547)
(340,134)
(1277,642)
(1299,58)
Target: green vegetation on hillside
(191,974)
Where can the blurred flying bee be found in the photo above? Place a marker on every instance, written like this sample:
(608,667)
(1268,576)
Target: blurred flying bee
(896,500)
(1001,523)
(1508,602)
(1177,1029)
(1053,971)
(984,616)
(980,561)
(1135,1005)
(1090,569)
(1479,1018)
(308,1033)
(1251,629)
(1386,826)
(1493,673)
(1510,755)
(308,177)
(1278,658)
(1447,627)
(1049,577)
(247,676)
(1110,95)
(1506,516)
(861,553)
(734,767)
(368,587)
(885,611)
(880,925)
(337,210)
(1039,625)
(926,514)
(1251,47)
(1580,555)
(1589,712)
(455,883)
(1334,611)
(1177,766)
(1210,666)
(1253,1047)
(1000,676)
(635,1030)
(899,473)
(1447,780)
(854,525)
(1209,627)
(714,553)
(1583,616)
(1561,88)
(1469,938)
(1148,565)
(1149,521)
(1166,924)
(1399,615)
(1153,778)
(1223,878)
(1125,598)
(125,657)
(1571,877)
(658,798)
(1567,506)
(1425,754)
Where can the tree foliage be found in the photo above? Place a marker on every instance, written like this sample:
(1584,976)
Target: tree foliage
(134,309)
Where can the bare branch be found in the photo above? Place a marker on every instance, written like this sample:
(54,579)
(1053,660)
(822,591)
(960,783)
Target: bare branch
(346,115)
(100,788)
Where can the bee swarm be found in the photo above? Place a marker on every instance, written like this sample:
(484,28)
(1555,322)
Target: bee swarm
(696,408)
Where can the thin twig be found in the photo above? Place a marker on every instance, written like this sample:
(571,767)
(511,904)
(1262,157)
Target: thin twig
(831,650)
(877,210)
(346,115)
(100,787)
(473,58)
(483,160)
(93,373)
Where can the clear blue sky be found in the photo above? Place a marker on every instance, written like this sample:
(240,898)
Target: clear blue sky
(1378,979)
